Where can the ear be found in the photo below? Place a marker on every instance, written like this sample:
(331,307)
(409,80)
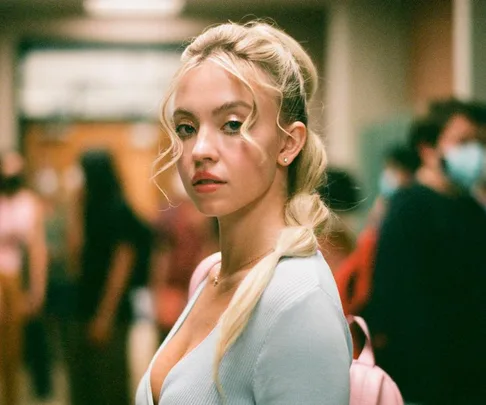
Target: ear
(293,141)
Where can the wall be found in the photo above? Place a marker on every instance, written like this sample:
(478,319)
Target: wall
(8,120)
(478,61)
(366,85)
(431,49)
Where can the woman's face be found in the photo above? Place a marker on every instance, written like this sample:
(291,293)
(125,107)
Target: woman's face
(221,171)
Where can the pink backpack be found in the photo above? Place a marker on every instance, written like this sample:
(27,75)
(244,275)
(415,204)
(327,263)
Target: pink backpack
(370,385)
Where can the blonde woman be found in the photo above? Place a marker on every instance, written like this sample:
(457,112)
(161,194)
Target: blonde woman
(266,325)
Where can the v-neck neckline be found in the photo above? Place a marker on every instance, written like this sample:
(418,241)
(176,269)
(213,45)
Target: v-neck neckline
(172,333)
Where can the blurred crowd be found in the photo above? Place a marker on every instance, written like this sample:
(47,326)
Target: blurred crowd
(74,278)
(77,273)
(418,271)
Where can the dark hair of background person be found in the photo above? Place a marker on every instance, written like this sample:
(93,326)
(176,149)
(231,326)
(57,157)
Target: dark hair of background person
(443,110)
(340,191)
(101,179)
(402,156)
(102,192)
(103,196)
(424,131)
(108,214)
(10,184)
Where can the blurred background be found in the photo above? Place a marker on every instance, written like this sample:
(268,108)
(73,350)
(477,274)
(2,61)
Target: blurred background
(82,75)
(71,78)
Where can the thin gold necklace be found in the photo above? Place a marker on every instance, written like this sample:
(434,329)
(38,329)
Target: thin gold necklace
(217,280)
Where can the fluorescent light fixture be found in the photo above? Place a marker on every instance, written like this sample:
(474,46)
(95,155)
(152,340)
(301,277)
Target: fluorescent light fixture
(137,8)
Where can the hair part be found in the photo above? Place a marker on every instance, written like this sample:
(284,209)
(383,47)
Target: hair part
(259,54)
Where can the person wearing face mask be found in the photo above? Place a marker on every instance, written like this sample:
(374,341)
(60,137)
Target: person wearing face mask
(426,313)
(464,163)
(21,230)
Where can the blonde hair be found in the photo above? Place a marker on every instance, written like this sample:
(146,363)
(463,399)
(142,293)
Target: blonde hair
(248,51)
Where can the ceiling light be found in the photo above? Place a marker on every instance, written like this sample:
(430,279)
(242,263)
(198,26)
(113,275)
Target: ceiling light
(134,7)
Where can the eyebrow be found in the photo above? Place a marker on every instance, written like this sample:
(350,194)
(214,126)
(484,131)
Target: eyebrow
(230,105)
(182,111)
(218,110)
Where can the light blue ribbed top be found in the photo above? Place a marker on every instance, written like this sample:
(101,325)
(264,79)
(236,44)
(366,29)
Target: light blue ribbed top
(296,348)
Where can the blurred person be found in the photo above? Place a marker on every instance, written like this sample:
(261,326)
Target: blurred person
(21,231)
(46,337)
(476,110)
(427,308)
(480,188)
(184,237)
(105,241)
(39,337)
(354,275)
(340,193)
(266,325)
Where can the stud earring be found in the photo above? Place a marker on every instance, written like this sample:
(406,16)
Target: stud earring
(285,160)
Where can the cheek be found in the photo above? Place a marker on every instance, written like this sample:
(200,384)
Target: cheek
(263,163)
(183,167)
(258,173)
(249,160)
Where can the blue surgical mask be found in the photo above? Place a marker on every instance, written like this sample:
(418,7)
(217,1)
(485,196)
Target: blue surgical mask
(388,184)
(464,164)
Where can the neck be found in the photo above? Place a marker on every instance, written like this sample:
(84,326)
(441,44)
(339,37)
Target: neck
(436,180)
(249,235)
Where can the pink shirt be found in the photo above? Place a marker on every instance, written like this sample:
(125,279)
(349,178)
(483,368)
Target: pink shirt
(17,217)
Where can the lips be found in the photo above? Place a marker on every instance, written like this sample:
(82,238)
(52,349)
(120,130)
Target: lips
(202,178)
(207,181)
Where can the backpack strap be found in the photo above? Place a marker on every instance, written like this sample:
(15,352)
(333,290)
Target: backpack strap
(202,271)
(366,356)
(367,384)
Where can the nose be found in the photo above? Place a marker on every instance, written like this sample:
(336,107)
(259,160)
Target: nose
(205,147)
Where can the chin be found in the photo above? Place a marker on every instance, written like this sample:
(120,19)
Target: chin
(210,208)
(215,208)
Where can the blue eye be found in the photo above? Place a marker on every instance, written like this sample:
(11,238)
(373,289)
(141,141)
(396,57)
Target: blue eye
(232,127)
(185,130)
